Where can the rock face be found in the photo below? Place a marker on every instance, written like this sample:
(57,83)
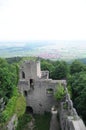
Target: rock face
(36,86)
(69,119)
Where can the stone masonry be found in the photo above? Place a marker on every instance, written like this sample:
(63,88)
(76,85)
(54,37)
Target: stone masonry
(36,86)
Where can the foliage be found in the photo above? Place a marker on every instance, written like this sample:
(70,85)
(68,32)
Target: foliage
(10,109)
(57,69)
(65,105)
(13,60)
(77,82)
(69,90)
(22,121)
(8,79)
(42,121)
(16,101)
(3,63)
(78,87)
(60,93)
(77,67)
(20,106)
(61,70)
(47,65)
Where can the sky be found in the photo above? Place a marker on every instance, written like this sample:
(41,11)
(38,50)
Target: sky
(26,20)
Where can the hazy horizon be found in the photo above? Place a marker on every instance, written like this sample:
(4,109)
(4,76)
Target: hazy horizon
(41,42)
(45,49)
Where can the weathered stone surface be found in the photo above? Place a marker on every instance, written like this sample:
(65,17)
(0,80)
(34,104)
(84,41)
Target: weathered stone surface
(69,119)
(12,123)
(35,85)
(39,99)
(54,124)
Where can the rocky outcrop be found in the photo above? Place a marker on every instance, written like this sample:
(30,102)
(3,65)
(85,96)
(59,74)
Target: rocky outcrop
(69,119)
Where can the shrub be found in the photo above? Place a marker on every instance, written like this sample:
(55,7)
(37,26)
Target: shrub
(60,92)
(20,106)
(15,105)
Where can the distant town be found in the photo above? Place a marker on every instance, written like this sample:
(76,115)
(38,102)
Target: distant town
(64,50)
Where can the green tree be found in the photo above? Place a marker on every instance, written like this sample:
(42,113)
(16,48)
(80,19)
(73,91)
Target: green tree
(77,66)
(61,70)
(8,79)
(78,87)
(47,65)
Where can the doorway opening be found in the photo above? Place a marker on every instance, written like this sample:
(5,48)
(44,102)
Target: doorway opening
(32,83)
(29,109)
(25,93)
(54,110)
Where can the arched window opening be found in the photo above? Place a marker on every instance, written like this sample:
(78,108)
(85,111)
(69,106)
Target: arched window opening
(23,75)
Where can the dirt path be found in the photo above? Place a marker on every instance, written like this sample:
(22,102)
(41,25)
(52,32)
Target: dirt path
(54,124)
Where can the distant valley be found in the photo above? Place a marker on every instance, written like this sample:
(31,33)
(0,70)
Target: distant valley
(64,50)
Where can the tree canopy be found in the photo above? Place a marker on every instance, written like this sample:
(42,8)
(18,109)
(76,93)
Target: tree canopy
(78,87)
(77,67)
(8,79)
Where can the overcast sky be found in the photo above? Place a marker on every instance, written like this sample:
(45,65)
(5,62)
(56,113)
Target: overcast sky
(24,20)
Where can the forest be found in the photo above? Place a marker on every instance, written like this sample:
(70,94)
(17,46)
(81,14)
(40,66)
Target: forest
(74,73)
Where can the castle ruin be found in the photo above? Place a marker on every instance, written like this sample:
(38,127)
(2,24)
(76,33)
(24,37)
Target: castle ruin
(37,88)
(39,92)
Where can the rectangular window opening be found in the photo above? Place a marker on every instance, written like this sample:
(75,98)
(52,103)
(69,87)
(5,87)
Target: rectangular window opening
(49,91)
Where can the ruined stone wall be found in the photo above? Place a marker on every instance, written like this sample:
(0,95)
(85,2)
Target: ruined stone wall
(41,97)
(69,119)
(31,70)
(38,69)
(11,124)
(23,86)
(45,74)
(40,93)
